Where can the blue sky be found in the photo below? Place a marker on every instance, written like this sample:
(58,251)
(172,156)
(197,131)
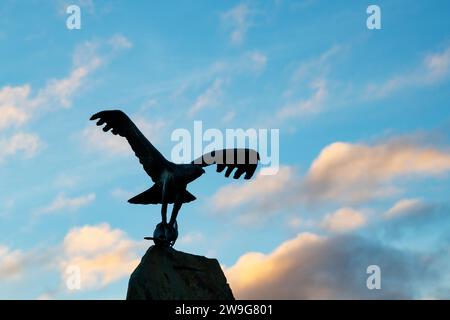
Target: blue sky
(364,147)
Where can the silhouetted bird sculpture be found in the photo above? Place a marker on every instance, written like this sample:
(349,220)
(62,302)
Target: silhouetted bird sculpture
(170,179)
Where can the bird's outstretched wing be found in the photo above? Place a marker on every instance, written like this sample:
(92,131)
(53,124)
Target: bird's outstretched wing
(245,160)
(153,161)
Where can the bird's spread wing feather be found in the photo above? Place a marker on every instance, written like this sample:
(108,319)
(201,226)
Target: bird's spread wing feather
(153,161)
(245,160)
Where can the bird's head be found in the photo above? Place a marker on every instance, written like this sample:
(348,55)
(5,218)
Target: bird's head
(194,172)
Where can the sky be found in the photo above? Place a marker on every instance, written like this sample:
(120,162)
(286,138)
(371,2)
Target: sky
(363,148)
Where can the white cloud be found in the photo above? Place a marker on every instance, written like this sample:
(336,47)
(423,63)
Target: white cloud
(209,98)
(256,190)
(20,103)
(25,143)
(314,267)
(258,60)
(119,42)
(406,207)
(295,222)
(13,106)
(11,267)
(357,172)
(149,104)
(214,79)
(45,296)
(343,173)
(152,129)
(254,202)
(16,264)
(237,19)
(11,116)
(229,116)
(312,74)
(315,67)
(191,238)
(57,92)
(343,220)
(437,65)
(434,68)
(103,254)
(121,194)
(311,105)
(61,91)
(95,139)
(61,203)
(17,104)
(87,5)
(66,180)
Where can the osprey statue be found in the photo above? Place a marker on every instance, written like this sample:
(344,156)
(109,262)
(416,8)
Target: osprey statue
(171,179)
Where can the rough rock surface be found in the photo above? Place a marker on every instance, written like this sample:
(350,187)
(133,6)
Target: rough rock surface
(167,274)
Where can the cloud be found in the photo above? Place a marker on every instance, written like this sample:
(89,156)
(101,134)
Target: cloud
(314,267)
(93,138)
(119,42)
(406,207)
(84,4)
(19,104)
(343,173)
(61,91)
(61,203)
(121,194)
(191,238)
(262,186)
(12,106)
(104,255)
(358,172)
(294,222)
(16,264)
(229,116)
(315,67)
(214,79)
(311,105)
(25,143)
(312,74)
(415,223)
(208,98)
(151,129)
(437,65)
(6,207)
(11,116)
(250,62)
(343,220)
(258,60)
(20,100)
(237,20)
(258,198)
(45,296)
(66,180)
(86,60)
(434,68)
(10,263)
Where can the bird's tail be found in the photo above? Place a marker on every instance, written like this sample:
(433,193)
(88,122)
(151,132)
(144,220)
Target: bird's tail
(154,196)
